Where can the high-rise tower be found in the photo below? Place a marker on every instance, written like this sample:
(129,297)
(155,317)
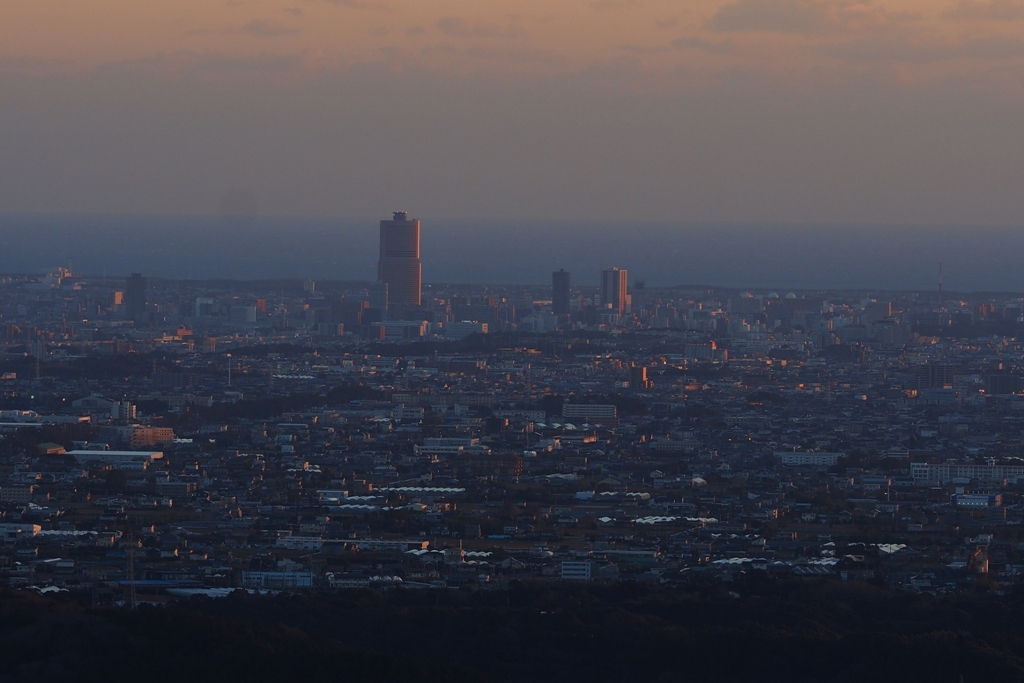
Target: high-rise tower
(135,298)
(399,266)
(560,292)
(614,289)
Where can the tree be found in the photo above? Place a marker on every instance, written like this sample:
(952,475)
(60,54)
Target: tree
(117,481)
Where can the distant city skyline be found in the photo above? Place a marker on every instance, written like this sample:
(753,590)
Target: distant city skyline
(496,252)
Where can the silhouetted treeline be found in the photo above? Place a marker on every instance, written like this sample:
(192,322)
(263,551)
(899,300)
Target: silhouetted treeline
(773,631)
(753,630)
(53,641)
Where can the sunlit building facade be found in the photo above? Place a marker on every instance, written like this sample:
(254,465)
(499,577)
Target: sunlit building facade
(399,266)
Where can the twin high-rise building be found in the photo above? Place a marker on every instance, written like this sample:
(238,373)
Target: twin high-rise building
(614,289)
(400,272)
(399,266)
(613,294)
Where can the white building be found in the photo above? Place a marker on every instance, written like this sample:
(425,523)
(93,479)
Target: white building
(672,446)
(278,580)
(577,570)
(591,413)
(300,543)
(798,458)
(977,501)
(122,460)
(410,413)
(535,415)
(927,473)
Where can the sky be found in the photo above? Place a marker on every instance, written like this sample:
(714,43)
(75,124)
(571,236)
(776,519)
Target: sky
(883,112)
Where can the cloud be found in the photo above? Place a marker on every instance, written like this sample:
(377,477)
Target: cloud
(510,54)
(294,11)
(809,17)
(775,16)
(749,145)
(488,56)
(186,62)
(612,4)
(24,63)
(890,49)
(644,49)
(457,27)
(993,10)
(256,28)
(358,4)
(995,47)
(447,50)
(264,29)
(695,43)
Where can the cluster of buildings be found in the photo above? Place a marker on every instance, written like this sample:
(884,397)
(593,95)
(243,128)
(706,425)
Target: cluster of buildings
(166,438)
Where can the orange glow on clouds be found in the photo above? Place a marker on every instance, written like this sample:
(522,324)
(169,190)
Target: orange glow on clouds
(903,38)
(863,111)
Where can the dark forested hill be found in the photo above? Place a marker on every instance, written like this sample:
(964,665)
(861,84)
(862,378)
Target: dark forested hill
(533,632)
(48,641)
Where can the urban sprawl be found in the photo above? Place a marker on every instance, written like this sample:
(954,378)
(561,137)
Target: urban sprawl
(163,438)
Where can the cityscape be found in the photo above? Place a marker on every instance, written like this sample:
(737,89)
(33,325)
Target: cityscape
(163,439)
(592,341)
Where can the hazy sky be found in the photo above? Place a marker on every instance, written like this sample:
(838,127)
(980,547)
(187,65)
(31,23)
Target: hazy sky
(886,111)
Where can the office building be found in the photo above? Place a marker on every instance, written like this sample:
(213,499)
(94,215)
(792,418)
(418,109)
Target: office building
(613,289)
(933,376)
(577,570)
(638,377)
(399,266)
(135,298)
(378,296)
(560,292)
(799,458)
(596,413)
(876,311)
(638,299)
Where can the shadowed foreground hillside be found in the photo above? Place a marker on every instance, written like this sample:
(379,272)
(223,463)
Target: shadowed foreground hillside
(771,632)
(49,641)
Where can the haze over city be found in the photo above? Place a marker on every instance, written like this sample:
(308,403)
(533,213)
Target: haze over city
(817,112)
(522,252)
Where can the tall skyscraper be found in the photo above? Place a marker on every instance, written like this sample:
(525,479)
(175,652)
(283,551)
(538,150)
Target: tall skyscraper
(399,266)
(613,289)
(135,298)
(560,292)
(638,300)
